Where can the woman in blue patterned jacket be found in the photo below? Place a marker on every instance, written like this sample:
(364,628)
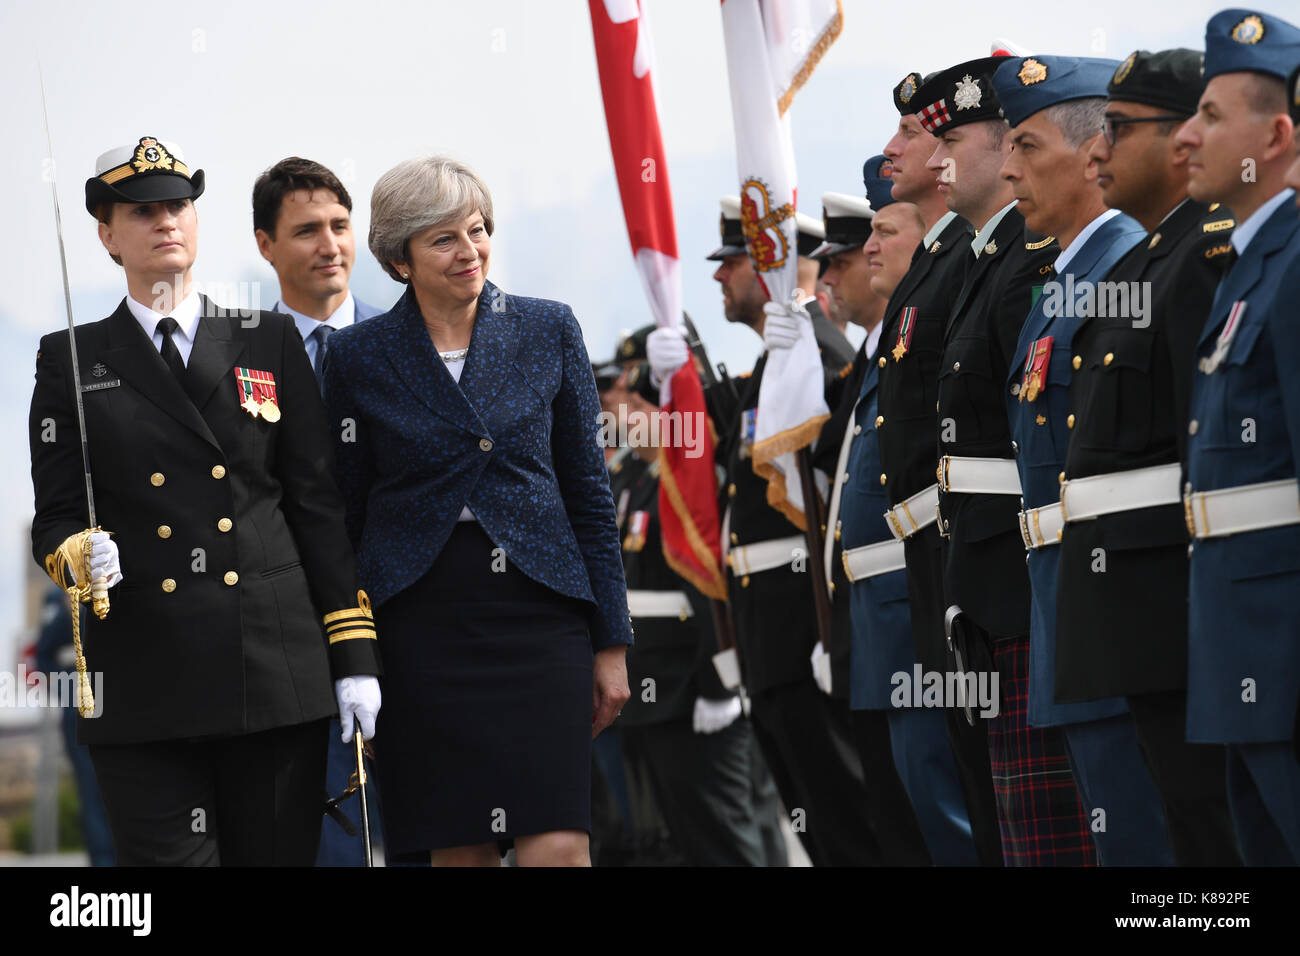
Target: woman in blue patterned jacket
(479,507)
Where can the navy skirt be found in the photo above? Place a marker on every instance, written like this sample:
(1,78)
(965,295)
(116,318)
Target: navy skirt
(485,729)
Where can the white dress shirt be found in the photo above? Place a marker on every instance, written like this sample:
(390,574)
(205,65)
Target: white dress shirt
(343,316)
(186,315)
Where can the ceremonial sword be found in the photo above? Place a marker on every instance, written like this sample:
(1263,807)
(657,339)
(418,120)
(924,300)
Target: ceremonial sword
(93,590)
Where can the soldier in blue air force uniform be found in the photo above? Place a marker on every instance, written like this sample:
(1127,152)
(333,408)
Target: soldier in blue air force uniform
(1055,111)
(1241,499)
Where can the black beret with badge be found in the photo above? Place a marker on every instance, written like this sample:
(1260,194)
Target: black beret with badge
(1168,80)
(905,92)
(152,170)
(958,95)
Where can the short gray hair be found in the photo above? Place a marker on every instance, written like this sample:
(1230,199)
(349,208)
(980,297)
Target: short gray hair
(417,194)
(1078,120)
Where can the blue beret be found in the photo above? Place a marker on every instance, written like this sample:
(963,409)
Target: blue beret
(1027,84)
(877,173)
(1237,40)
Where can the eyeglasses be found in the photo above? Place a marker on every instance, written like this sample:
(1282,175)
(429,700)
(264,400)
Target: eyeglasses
(1109,123)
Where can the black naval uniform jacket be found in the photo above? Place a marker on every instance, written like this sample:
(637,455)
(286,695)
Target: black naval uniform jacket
(229,529)
(984,556)
(1125,631)
(774,617)
(906,393)
(675,655)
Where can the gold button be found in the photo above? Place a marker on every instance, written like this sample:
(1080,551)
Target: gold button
(1192,427)
(1015,388)
(1078,360)
(168,585)
(164,531)
(831,586)
(1110,357)
(881,362)
(225,524)
(882,479)
(744,582)
(1069,422)
(956,366)
(880,420)
(735,538)
(218,471)
(157,478)
(485,444)
(231,578)
(837,534)
(1061,478)
(731,490)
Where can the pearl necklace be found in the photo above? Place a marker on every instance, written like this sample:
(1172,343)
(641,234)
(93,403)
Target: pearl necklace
(454,356)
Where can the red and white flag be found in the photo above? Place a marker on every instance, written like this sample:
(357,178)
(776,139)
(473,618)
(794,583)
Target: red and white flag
(772,48)
(688,484)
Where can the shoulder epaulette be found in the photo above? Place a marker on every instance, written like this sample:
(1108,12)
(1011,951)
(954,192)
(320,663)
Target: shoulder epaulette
(1218,225)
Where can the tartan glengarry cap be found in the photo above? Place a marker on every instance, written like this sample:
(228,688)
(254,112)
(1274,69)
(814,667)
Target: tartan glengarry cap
(848,224)
(1028,84)
(1168,80)
(152,170)
(733,237)
(958,95)
(877,179)
(1247,40)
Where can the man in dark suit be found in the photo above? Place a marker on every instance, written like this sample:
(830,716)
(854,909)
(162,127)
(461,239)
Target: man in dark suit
(236,628)
(986,588)
(804,735)
(907,432)
(302,220)
(1123,632)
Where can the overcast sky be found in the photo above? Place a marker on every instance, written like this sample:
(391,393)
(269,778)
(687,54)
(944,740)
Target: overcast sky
(509,86)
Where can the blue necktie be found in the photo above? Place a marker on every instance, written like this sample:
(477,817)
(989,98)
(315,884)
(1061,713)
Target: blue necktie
(321,333)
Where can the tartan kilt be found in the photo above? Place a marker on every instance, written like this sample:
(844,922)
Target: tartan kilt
(1040,815)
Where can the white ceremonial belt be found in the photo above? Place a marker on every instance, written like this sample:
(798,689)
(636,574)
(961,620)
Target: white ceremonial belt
(659,604)
(1214,514)
(978,476)
(872,559)
(764,555)
(1041,527)
(902,517)
(1083,498)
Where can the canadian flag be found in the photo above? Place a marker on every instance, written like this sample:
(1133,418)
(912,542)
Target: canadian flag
(688,486)
(772,48)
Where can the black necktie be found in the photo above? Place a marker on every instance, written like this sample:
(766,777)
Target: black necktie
(170,353)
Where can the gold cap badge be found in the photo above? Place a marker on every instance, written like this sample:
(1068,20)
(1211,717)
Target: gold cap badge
(1249,30)
(1031,72)
(1121,74)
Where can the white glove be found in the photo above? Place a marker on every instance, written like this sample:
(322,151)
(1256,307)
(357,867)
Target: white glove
(667,352)
(781,325)
(359,696)
(714,715)
(103,559)
(821,667)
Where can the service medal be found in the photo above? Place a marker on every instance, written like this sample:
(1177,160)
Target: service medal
(1035,379)
(905,326)
(256,392)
